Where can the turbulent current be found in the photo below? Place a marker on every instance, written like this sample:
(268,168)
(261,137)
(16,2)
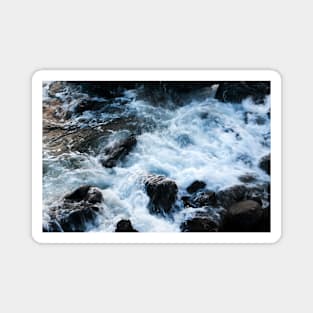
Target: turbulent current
(202,139)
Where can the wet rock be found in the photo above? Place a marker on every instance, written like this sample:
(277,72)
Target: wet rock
(205,198)
(88,106)
(105,89)
(187,202)
(247,178)
(201,222)
(77,217)
(265,164)
(55,87)
(125,226)
(265,223)
(77,212)
(172,94)
(237,91)
(118,151)
(60,140)
(244,216)
(51,226)
(259,193)
(195,186)
(200,199)
(52,111)
(162,192)
(260,120)
(231,195)
(85,193)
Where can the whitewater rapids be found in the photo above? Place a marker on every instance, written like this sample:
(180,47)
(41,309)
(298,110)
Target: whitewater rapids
(204,140)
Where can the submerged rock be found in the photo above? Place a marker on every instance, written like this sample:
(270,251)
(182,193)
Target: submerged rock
(162,192)
(247,178)
(77,212)
(244,216)
(237,91)
(118,151)
(195,186)
(265,164)
(125,226)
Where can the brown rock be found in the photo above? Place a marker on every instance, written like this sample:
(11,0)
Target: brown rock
(244,216)
(162,192)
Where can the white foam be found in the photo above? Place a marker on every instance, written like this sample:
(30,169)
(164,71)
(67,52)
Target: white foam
(209,141)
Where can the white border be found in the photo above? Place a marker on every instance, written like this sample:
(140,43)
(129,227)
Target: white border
(152,75)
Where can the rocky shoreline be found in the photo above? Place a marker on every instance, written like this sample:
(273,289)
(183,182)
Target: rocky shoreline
(244,207)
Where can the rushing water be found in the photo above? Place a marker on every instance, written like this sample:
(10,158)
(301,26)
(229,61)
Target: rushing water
(203,140)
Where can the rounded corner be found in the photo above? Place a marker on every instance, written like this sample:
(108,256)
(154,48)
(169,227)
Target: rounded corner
(37,75)
(276,75)
(276,238)
(36,238)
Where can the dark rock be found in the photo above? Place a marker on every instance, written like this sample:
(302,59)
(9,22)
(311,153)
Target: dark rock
(94,195)
(85,193)
(77,218)
(88,106)
(105,89)
(77,212)
(51,226)
(265,164)
(162,192)
(200,199)
(172,94)
(244,216)
(118,151)
(78,194)
(204,198)
(265,223)
(195,186)
(259,193)
(260,120)
(125,226)
(87,139)
(247,178)
(201,222)
(237,91)
(229,196)
(187,201)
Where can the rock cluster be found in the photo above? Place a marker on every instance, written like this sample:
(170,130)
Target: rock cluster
(235,92)
(77,211)
(240,208)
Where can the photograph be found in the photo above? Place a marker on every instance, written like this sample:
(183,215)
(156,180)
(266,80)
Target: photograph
(156,156)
